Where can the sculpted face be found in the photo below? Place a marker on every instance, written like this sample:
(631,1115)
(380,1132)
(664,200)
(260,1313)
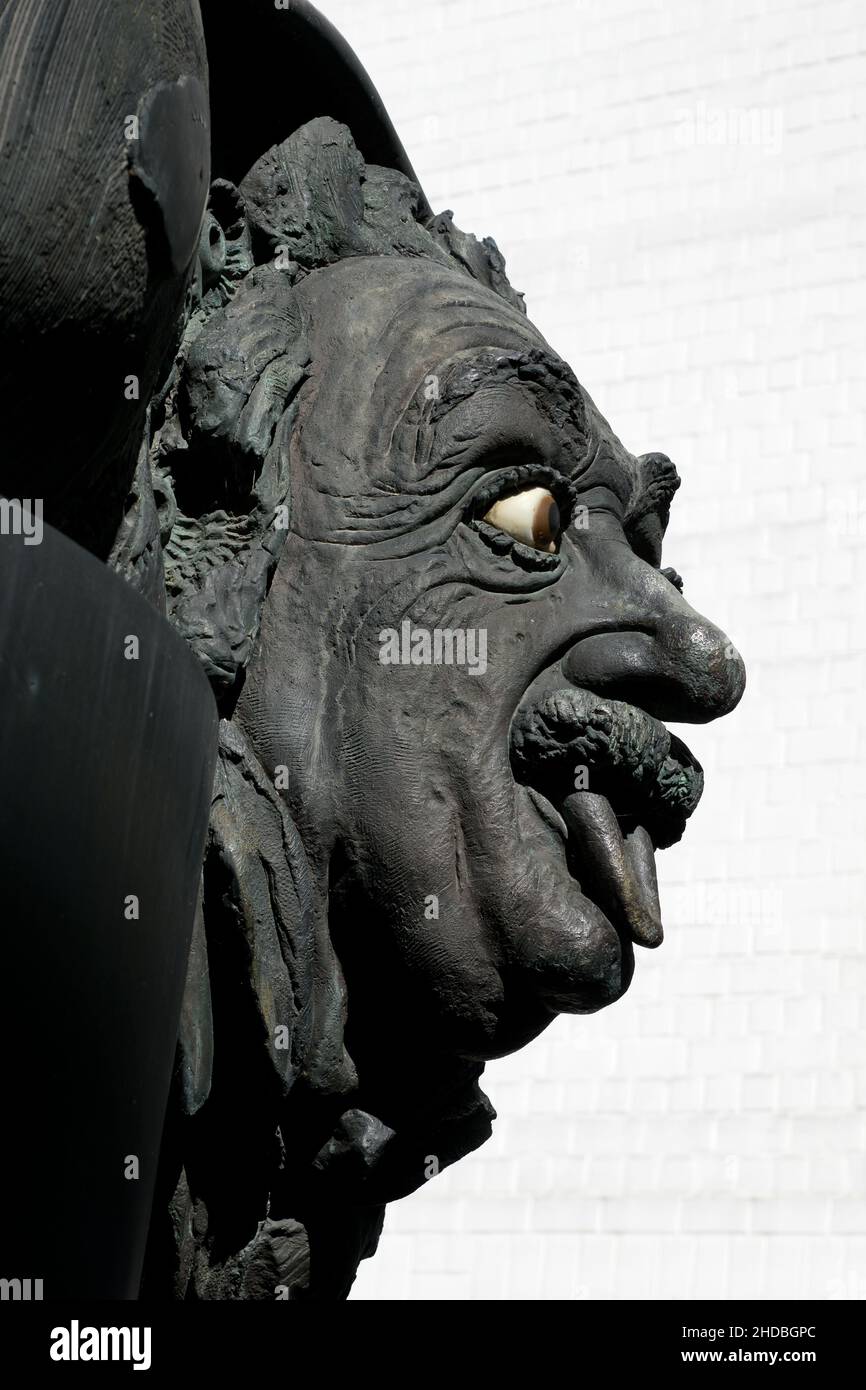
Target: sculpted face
(469,709)
(424,579)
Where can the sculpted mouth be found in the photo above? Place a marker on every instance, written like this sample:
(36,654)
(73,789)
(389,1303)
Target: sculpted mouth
(619,785)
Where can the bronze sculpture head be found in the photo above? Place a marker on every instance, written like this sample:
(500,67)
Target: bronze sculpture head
(425,578)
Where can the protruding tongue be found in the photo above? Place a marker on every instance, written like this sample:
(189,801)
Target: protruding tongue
(618,872)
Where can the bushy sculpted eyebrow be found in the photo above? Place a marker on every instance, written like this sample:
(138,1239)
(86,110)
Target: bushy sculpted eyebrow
(495,412)
(442,444)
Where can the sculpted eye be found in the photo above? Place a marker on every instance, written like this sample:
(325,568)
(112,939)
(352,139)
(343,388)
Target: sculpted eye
(531,517)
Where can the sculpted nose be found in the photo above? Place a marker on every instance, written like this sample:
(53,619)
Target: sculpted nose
(674,663)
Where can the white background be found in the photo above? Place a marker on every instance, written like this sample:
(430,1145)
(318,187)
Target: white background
(678,189)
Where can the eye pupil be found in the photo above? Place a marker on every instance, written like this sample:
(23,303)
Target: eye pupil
(546,528)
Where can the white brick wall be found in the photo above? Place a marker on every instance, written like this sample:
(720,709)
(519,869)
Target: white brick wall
(678,189)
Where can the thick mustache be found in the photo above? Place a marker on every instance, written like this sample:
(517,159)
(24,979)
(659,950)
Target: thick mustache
(647,773)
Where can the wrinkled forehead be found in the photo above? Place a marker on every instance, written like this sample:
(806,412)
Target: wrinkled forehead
(381,331)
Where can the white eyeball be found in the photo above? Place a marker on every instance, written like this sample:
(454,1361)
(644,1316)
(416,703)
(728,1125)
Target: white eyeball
(531,517)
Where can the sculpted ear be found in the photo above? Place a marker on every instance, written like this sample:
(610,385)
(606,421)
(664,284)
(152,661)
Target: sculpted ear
(220,462)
